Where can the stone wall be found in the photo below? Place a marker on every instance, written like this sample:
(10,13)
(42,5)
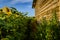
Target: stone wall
(45,9)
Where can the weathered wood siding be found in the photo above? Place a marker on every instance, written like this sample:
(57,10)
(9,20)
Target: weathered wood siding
(45,8)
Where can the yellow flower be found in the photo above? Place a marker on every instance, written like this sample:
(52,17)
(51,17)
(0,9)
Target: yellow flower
(7,11)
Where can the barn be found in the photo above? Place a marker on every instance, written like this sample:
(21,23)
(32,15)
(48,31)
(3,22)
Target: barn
(45,9)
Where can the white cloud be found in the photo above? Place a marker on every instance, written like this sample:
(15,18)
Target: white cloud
(22,1)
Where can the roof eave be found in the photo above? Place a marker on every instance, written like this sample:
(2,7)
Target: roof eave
(34,3)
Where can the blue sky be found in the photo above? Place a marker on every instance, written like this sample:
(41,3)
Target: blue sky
(20,5)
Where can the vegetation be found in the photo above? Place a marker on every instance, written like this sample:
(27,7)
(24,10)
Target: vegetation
(18,26)
(48,30)
(14,26)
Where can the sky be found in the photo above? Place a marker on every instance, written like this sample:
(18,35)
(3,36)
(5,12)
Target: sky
(21,5)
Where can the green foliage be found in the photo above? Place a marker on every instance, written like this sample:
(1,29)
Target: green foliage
(19,26)
(48,29)
(14,26)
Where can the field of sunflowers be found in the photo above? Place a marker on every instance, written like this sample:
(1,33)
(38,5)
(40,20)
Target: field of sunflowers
(18,26)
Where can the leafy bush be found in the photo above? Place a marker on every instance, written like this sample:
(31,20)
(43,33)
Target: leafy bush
(14,26)
(48,29)
(18,26)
